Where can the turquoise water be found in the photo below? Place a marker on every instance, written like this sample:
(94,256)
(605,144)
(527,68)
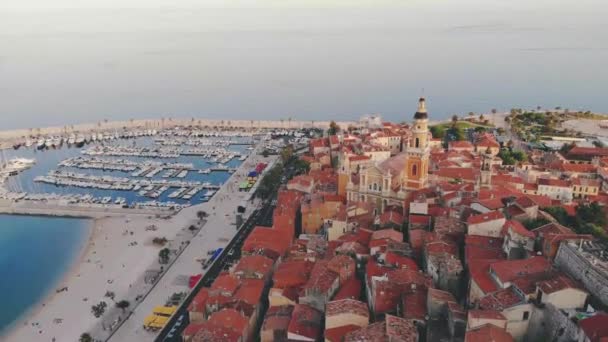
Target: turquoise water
(35,253)
(49,159)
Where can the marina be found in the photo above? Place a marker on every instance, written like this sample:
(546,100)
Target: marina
(145,168)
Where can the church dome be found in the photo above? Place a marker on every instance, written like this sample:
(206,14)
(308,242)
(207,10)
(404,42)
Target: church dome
(421,113)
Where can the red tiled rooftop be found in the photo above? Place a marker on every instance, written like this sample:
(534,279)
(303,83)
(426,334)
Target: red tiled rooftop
(250,291)
(387,234)
(229,318)
(321,277)
(225,283)
(587,151)
(558,283)
(277,318)
(199,301)
(525,202)
(254,264)
(479,273)
(266,238)
(192,329)
(346,306)
(392,328)
(487,217)
(414,305)
(419,219)
(509,270)
(487,314)
(551,228)
(400,261)
(488,333)
(337,334)
(518,228)
(292,273)
(210,332)
(351,289)
(554,182)
(595,327)
(463,173)
(501,300)
(391,216)
(306,321)
(492,204)
(461,144)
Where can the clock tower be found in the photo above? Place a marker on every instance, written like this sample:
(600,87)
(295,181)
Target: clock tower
(417,151)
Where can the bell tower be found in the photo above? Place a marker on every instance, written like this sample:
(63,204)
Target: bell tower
(418,150)
(486,169)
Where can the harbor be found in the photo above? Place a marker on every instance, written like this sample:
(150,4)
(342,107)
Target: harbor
(172,168)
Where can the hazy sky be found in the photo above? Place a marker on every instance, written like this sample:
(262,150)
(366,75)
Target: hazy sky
(65,61)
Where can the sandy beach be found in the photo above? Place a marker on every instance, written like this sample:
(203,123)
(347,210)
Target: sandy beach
(115,245)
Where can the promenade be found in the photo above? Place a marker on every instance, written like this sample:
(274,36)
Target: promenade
(216,233)
(54,208)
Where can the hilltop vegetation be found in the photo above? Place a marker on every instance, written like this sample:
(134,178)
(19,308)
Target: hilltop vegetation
(532,125)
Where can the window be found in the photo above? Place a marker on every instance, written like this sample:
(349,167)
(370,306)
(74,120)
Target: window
(417,142)
(414,170)
(375,186)
(526,315)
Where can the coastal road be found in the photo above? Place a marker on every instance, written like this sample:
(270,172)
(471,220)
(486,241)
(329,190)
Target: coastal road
(262,217)
(217,231)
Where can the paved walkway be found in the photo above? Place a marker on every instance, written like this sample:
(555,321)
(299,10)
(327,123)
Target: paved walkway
(217,232)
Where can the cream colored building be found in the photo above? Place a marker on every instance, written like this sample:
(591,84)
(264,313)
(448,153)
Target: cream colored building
(387,182)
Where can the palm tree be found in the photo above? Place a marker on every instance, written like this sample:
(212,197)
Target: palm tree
(85,337)
(454,118)
(471,114)
(123,305)
(481,117)
(110,294)
(163,255)
(494,111)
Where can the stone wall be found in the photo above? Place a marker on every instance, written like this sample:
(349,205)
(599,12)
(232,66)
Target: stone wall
(551,324)
(572,262)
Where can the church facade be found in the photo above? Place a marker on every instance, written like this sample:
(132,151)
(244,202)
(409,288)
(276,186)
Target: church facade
(388,182)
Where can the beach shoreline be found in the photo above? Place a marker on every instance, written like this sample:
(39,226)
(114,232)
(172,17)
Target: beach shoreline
(51,293)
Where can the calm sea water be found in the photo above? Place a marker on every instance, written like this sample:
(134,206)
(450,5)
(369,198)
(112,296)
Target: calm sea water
(47,160)
(35,253)
(83,61)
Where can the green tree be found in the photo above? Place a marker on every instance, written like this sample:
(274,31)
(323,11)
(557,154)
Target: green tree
(333,128)
(437,131)
(85,337)
(454,118)
(519,155)
(163,255)
(286,153)
(535,223)
(567,147)
(123,305)
(99,309)
(110,294)
(301,166)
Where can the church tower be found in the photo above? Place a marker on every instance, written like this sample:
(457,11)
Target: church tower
(486,169)
(418,151)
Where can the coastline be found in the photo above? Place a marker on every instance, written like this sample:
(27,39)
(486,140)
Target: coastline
(49,295)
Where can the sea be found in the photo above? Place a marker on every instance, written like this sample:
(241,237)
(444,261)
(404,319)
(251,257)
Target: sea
(35,254)
(69,61)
